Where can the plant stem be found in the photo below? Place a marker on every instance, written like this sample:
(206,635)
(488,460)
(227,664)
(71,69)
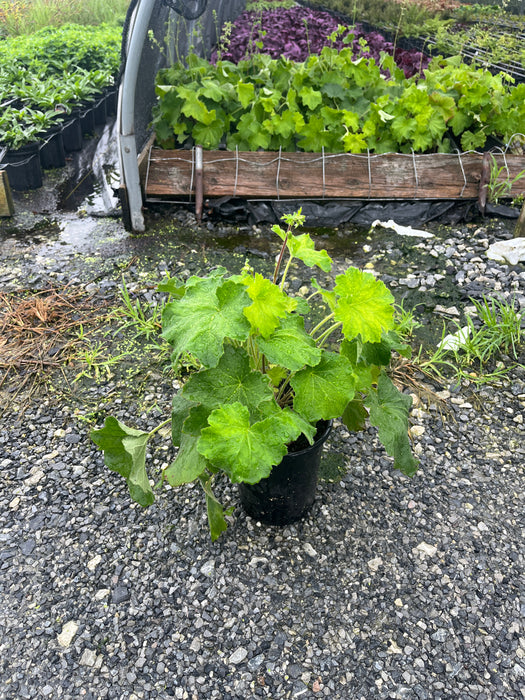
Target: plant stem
(159,427)
(286,271)
(324,336)
(280,259)
(321,323)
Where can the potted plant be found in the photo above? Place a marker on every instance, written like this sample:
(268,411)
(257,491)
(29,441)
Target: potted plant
(274,368)
(19,137)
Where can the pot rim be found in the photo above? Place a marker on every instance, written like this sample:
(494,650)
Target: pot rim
(319,440)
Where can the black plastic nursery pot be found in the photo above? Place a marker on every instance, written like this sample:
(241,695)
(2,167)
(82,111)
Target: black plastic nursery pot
(72,132)
(111,101)
(99,111)
(23,167)
(87,120)
(289,492)
(52,151)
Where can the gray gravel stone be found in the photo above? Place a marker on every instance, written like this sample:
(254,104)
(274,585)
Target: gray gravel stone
(389,588)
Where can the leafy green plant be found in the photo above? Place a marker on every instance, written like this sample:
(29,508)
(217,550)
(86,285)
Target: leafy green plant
(405,321)
(273,366)
(26,17)
(259,5)
(50,73)
(335,102)
(95,362)
(482,351)
(501,328)
(143,319)
(500,184)
(16,128)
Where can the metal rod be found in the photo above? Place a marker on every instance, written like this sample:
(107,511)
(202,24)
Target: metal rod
(199,185)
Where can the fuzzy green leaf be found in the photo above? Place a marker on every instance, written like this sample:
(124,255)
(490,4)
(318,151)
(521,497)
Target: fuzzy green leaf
(290,345)
(200,322)
(188,465)
(381,353)
(245,93)
(172,286)
(246,452)
(365,374)
(303,247)
(354,416)
(269,305)
(313,136)
(125,453)
(354,143)
(214,91)
(389,410)
(310,97)
(180,410)
(209,135)
(323,391)
(230,382)
(197,420)
(195,108)
(364,305)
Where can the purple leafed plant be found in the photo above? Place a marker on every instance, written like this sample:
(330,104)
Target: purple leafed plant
(298,32)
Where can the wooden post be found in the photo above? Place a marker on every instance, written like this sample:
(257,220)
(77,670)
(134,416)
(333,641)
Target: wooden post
(6,200)
(199,185)
(519,231)
(484,182)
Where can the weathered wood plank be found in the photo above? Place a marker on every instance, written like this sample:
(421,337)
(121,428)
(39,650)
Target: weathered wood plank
(270,175)
(6,200)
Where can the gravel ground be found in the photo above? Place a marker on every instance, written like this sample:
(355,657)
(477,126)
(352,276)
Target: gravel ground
(390,588)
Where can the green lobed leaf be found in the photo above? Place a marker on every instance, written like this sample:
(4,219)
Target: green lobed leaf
(290,345)
(188,465)
(323,391)
(180,410)
(364,305)
(195,108)
(125,453)
(204,318)
(245,93)
(365,374)
(172,286)
(389,410)
(230,382)
(270,304)
(298,424)
(354,416)
(197,420)
(209,135)
(310,97)
(303,247)
(313,136)
(329,296)
(246,452)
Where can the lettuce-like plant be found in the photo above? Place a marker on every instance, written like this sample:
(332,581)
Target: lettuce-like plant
(271,369)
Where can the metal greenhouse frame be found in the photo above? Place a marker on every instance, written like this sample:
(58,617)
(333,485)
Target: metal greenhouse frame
(156,31)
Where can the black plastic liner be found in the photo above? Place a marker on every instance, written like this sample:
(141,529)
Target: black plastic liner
(334,213)
(503,210)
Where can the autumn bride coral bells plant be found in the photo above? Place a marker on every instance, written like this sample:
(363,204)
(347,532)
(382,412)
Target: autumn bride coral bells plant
(272,369)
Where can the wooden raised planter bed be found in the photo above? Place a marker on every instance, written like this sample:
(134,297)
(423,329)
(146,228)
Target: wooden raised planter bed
(195,173)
